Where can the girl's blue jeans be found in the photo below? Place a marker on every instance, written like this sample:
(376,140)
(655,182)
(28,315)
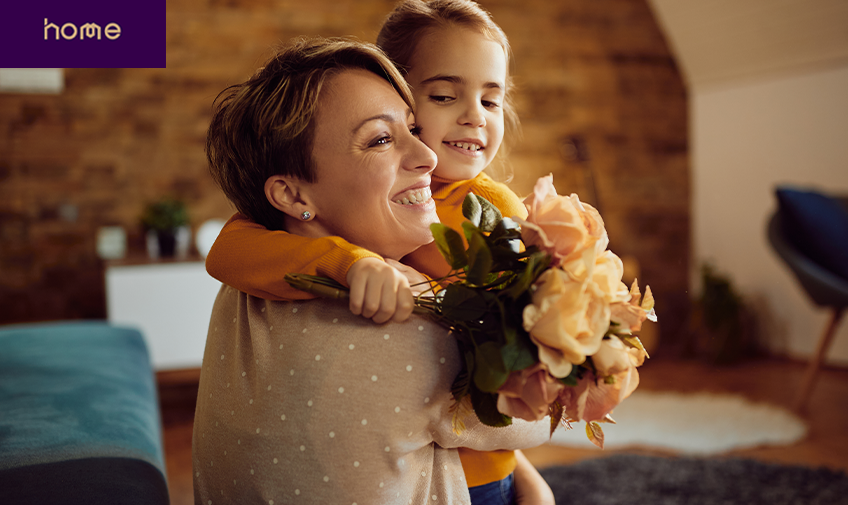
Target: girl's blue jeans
(501,492)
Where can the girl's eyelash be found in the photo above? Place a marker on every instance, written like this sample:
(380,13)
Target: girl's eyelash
(446,99)
(415,130)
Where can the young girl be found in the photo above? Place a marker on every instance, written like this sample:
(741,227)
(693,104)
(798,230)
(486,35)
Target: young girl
(456,60)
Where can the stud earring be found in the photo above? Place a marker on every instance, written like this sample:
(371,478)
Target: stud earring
(305,215)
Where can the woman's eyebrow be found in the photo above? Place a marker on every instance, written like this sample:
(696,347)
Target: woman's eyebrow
(455,79)
(388,118)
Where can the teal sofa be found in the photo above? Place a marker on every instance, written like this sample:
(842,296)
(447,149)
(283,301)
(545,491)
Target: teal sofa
(79,416)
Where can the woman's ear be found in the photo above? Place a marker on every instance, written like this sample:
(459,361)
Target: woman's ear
(286,195)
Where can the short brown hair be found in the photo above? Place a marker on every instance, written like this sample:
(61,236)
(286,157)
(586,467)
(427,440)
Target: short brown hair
(264,126)
(412,19)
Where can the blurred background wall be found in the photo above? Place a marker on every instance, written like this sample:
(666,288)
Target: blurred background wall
(768,88)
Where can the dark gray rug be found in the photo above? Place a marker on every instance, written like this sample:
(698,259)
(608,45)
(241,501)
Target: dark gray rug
(626,479)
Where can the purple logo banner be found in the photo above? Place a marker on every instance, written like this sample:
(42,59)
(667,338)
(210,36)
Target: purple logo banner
(83,34)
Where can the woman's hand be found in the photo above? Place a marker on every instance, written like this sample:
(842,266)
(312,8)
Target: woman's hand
(530,487)
(380,291)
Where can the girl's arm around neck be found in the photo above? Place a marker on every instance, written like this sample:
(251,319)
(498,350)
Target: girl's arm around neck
(255,260)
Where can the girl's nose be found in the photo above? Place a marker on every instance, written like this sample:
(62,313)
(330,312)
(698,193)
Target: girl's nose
(473,115)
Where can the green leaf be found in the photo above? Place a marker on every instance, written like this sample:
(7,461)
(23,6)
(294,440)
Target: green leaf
(471,209)
(506,228)
(517,355)
(165,214)
(573,377)
(505,245)
(569,381)
(490,215)
(469,230)
(468,354)
(481,212)
(461,303)
(535,265)
(479,259)
(509,334)
(489,370)
(486,407)
(506,235)
(450,244)
(460,385)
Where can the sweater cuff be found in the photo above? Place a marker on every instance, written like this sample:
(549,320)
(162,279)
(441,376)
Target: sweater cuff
(336,262)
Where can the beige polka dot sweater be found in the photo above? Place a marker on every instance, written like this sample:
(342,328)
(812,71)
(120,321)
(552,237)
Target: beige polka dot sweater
(304,403)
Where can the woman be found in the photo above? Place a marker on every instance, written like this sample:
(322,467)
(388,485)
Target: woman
(302,402)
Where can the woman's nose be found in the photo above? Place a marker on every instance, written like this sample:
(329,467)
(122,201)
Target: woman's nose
(419,156)
(473,115)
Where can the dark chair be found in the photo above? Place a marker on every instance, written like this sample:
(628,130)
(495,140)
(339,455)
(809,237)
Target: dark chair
(791,229)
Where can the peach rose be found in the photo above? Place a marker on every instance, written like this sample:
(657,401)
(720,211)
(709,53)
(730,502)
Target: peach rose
(571,232)
(526,394)
(594,398)
(607,273)
(566,320)
(615,356)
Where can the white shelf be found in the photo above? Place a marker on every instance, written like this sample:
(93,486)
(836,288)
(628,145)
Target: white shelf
(170,303)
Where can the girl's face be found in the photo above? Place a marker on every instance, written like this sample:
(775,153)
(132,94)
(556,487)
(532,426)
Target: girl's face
(458,77)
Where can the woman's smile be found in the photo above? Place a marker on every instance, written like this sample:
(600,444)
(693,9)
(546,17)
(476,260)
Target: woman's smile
(373,174)
(417,196)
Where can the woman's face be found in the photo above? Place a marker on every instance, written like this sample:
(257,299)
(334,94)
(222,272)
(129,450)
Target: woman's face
(458,77)
(373,174)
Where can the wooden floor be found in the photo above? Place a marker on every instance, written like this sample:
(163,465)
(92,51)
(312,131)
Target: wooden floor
(769,380)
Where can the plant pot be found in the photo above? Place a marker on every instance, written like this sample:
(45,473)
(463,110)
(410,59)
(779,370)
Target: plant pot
(167,242)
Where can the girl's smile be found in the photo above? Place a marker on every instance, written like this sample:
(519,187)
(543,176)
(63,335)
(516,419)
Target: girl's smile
(468,147)
(458,77)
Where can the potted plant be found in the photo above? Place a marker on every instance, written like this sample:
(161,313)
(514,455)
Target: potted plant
(163,219)
(723,325)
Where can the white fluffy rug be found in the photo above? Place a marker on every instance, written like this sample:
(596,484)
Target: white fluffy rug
(691,424)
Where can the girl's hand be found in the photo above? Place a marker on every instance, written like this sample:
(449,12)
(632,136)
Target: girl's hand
(417,281)
(379,291)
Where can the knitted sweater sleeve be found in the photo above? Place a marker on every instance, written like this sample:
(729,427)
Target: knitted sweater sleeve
(255,260)
(500,196)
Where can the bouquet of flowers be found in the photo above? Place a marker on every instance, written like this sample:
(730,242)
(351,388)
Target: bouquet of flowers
(541,317)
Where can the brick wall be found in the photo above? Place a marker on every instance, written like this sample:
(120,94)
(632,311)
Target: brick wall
(602,103)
